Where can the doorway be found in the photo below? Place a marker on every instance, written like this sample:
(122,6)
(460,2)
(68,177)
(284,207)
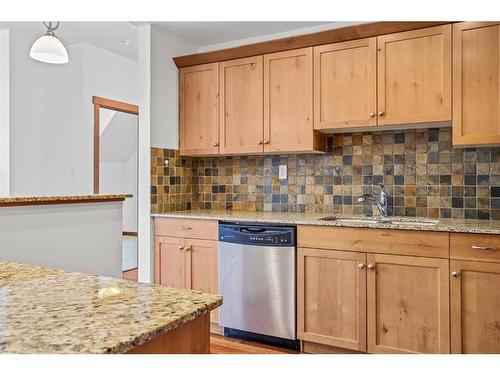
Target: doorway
(116,135)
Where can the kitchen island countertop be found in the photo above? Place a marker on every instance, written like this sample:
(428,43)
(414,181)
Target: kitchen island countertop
(44,310)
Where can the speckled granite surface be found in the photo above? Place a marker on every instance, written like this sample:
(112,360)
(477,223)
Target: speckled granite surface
(45,310)
(444,225)
(60,199)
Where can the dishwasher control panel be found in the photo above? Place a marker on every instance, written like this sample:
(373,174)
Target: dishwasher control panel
(259,235)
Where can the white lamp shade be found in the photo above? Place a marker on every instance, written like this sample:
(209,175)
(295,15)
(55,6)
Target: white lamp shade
(49,49)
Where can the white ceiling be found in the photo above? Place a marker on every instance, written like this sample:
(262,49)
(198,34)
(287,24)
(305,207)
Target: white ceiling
(208,33)
(203,35)
(101,34)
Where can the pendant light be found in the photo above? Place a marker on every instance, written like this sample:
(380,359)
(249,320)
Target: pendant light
(48,48)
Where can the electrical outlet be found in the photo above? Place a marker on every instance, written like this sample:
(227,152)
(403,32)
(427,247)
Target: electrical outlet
(283,172)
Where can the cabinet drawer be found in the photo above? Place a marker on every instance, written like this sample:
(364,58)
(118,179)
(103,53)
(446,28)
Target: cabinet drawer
(480,247)
(384,241)
(187,228)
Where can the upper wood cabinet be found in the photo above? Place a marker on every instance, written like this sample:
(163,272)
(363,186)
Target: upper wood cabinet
(241,106)
(476,83)
(414,76)
(288,102)
(408,304)
(345,84)
(199,109)
(331,298)
(475,307)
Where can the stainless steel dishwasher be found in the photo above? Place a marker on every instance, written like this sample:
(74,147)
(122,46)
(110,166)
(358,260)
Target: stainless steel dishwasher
(257,282)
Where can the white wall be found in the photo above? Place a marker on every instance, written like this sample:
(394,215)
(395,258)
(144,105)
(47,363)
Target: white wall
(51,115)
(165,87)
(26,130)
(74,237)
(145,245)
(4,112)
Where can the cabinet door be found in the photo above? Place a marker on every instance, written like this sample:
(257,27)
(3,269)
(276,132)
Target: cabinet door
(476,83)
(199,109)
(408,304)
(241,106)
(345,84)
(288,101)
(331,297)
(475,307)
(414,76)
(170,262)
(202,259)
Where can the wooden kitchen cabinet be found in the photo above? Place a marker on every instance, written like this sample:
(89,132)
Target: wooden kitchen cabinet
(331,298)
(170,262)
(475,307)
(241,106)
(199,109)
(414,76)
(476,83)
(345,84)
(202,268)
(288,103)
(187,255)
(407,304)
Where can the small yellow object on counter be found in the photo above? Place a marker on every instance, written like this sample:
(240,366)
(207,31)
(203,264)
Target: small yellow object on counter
(108,292)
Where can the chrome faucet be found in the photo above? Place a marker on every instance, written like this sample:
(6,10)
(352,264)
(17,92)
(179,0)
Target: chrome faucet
(381,203)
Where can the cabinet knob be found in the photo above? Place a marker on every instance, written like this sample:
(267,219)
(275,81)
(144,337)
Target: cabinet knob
(372,114)
(181,248)
(215,144)
(259,142)
(266,142)
(381,113)
(455,274)
(361,266)
(371,267)
(189,248)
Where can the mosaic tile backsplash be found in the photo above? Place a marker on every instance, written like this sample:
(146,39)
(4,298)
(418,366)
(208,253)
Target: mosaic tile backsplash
(423,175)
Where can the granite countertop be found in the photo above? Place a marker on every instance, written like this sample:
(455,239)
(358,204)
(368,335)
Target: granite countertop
(444,225)
(45,310)
(61,199)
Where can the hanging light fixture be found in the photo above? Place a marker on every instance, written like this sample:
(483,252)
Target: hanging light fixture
(48,48)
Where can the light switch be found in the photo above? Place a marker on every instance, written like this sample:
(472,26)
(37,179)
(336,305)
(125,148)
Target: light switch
(283,172)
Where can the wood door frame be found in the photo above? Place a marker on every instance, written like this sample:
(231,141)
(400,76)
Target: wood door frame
(114,105)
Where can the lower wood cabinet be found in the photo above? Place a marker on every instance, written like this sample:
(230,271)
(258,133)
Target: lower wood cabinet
(475,307)
(170,262)
(188,264)
(331,298)
(373,303)
(407,304)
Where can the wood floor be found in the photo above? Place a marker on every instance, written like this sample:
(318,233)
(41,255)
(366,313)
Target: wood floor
(225,345)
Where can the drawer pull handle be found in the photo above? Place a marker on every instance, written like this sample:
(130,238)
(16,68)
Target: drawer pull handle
(187,228)
(487,248)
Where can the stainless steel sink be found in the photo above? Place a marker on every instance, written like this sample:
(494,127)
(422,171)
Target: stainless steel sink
(386,220)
